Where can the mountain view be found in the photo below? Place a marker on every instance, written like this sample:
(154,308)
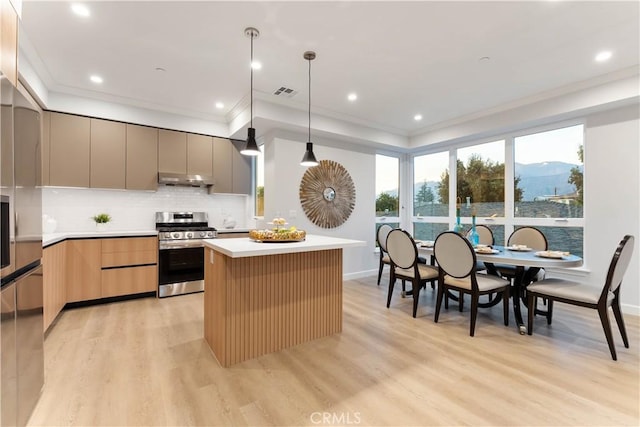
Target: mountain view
(536,180)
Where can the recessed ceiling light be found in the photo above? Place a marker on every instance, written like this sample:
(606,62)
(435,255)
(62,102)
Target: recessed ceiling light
(352,97)
(219,105)
(417,117)
(96,79)
(80,9)
(160,69)
(605,55)
(256,65)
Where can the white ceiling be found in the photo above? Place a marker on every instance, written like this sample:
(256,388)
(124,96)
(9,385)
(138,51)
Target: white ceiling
(401,58)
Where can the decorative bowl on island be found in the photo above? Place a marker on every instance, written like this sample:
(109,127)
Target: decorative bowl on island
(278,234)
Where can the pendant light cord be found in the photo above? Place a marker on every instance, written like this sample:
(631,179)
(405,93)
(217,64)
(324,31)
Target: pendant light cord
(251,93)
(309,60)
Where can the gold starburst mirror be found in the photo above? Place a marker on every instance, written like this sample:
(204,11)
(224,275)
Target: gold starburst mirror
(327,194)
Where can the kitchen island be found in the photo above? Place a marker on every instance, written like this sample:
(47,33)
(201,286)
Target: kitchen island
(264,297)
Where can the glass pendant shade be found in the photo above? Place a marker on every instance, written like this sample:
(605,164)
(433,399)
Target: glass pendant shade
(309,159)
(251,149)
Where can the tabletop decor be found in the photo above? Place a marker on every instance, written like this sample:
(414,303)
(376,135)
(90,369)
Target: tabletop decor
(101,220)
(327,194)
(278,234)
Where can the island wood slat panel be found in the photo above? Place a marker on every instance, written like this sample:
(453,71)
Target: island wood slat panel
(258,305)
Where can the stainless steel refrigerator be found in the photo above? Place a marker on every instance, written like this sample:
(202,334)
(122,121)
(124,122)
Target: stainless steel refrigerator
(21,304)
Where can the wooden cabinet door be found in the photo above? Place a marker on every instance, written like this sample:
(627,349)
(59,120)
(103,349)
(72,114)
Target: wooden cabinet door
(199,155)
(9,41)
(129,280)
(222,165)
(83,270)
(241,181)
(172,151)
(142,158)
(54,284)
(69,150)
(46,146)
(108,153)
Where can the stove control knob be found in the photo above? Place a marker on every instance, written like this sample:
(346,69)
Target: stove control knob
(209,233)
(189,235)
(167,235)
(203,234)
(176,235)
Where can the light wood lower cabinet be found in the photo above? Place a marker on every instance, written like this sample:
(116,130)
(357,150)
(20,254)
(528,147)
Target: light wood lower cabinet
(54,285)
(129,280)
(129,266)
(90,269)
(83,269)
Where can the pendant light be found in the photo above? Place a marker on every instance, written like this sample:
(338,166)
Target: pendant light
(309,159)
(251,149)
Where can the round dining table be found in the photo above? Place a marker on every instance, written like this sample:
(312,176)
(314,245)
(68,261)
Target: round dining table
(527,261)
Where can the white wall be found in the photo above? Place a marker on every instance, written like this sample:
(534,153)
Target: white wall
(612,185)
(283,175)
(73,208)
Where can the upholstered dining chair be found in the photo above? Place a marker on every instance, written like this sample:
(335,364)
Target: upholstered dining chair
(456,261)
(405,265)
(588,295)
(532,238)
(381,237)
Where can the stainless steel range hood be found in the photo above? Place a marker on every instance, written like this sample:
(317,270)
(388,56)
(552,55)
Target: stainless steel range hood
(185,180)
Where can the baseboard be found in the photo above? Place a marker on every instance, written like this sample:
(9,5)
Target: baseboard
(360,274)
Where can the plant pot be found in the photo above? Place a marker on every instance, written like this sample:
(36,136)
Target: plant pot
(102,226)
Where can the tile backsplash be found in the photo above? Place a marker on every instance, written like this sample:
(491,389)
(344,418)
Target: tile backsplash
(73,208)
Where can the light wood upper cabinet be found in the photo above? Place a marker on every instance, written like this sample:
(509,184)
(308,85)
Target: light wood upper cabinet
(69,160)
(142,158)
(172,151)
(199,155)
(9,41)
(222,165)
(241,182)
(83,269)
(108,153)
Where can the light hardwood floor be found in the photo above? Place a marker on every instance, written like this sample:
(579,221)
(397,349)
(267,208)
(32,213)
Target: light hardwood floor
(145,362)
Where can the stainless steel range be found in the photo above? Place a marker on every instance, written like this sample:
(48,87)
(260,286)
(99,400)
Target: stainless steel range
(181,251)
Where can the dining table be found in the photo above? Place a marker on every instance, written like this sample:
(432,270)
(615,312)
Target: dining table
(527,263)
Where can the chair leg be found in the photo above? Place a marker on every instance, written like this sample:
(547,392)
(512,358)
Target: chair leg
(446,300)
(549,310)
(416,294)
(380,271)
(532,301)
(606,325)
(474,313)
(620,321)
(392,282)
(505,305)
(460,301)
(441,292)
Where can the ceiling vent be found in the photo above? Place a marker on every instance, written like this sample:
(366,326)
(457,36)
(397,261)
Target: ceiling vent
(285,92)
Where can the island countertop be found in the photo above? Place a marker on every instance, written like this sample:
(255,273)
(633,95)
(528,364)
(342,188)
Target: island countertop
(245,247)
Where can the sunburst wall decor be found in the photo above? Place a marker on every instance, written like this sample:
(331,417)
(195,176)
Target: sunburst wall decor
(327,194)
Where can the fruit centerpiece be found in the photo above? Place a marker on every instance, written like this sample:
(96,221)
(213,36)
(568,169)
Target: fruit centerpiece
(279,233)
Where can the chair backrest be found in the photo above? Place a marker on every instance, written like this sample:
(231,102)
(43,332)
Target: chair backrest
(383,232)
(484,233)
(454,254)
(402,248)
(529,236)
(619,263)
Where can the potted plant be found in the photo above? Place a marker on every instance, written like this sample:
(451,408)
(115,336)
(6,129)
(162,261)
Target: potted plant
(101,221)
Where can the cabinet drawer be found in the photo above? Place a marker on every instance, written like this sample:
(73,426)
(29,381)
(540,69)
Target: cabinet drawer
(129,244)
(118,259)
(129,280)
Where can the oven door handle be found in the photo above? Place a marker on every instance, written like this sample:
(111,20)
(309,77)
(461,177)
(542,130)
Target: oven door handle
(180,244)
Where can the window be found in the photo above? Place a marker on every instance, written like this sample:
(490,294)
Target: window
(430,195)
(548,175)
(481,179)
(387,194)
(259,183)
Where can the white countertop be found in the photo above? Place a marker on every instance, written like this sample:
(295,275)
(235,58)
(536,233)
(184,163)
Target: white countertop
(245,247)
(50,239)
